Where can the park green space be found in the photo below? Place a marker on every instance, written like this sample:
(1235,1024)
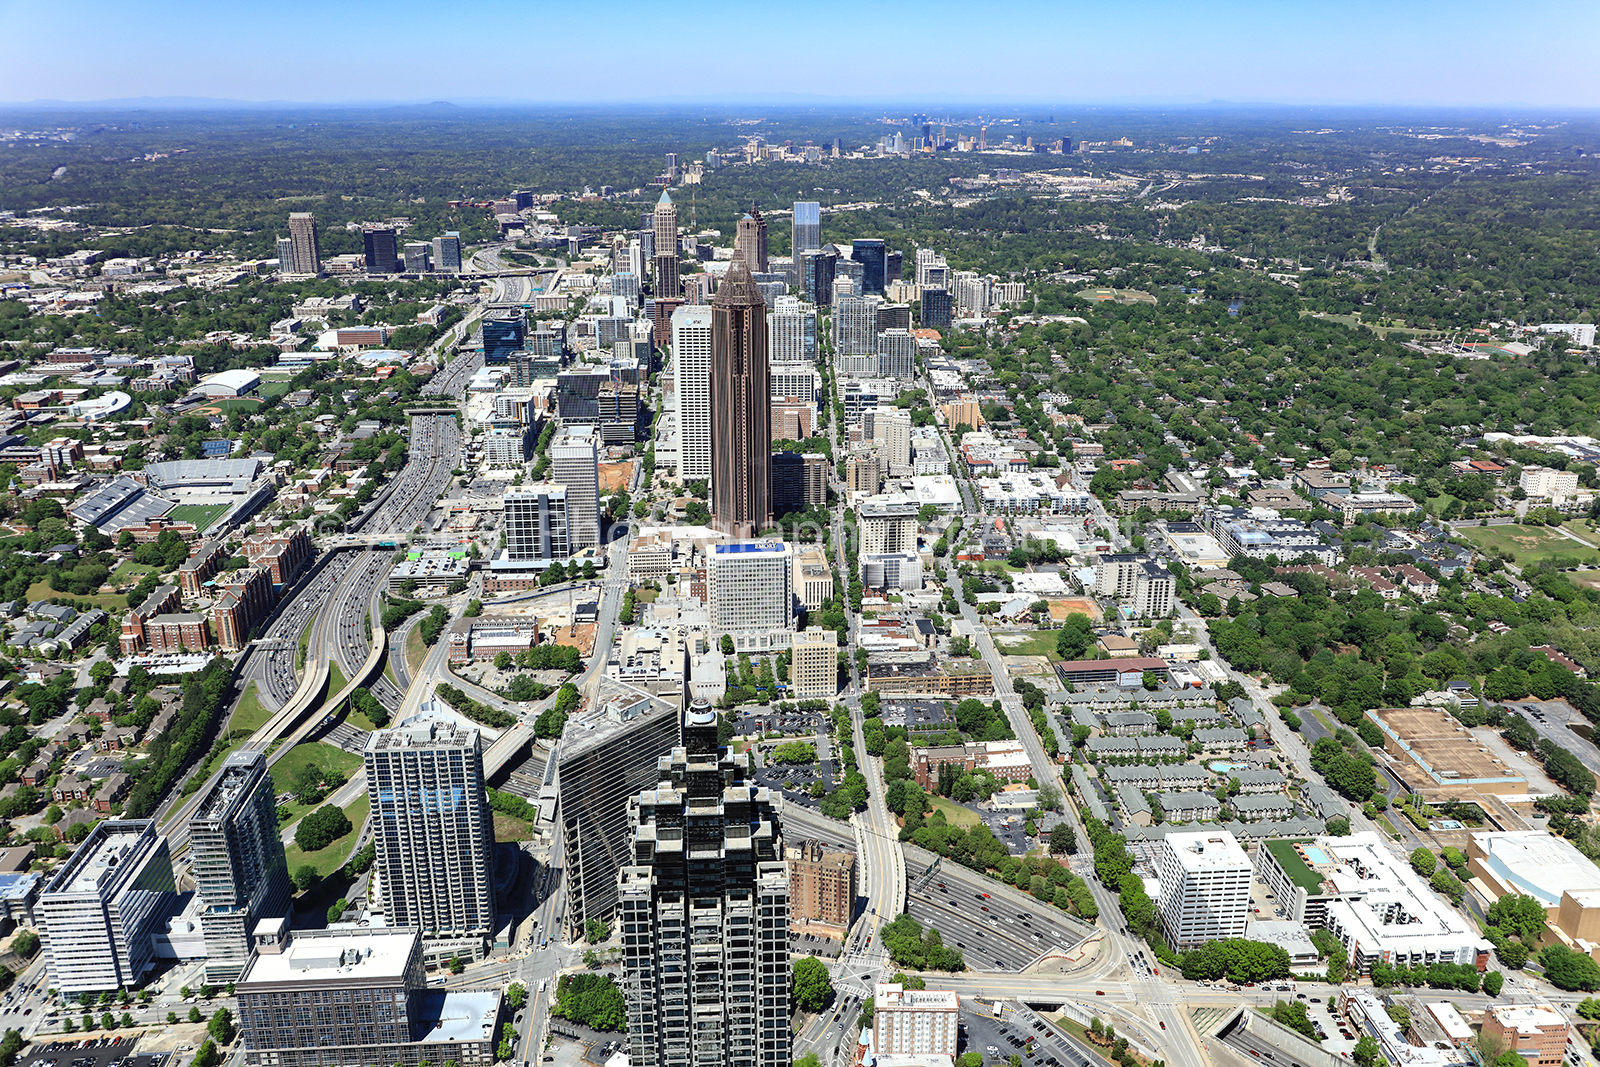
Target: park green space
(329,859)
(251,715)
(41,590)
(1293,866)
(954,813)
(1528,544)
(325,757)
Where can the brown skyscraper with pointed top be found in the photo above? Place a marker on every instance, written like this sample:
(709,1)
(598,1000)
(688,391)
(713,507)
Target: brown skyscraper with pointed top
(751,239)
(741,407)
(666,241)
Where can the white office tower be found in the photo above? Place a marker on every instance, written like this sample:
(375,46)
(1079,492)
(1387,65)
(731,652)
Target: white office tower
(897,354)
(238,863)
(691,360)
(888,524)
(791,331)
(575,463)
(805,236)
(625,286)
(971,294)
(750,593)
(432,829)
(100,913)
(704,908)
(535,523)
(1205,888)
(892,429)
(286,255)
(892,572)
(447,252)
(855,326)
(932,271)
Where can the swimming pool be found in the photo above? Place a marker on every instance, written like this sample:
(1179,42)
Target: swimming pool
(1315,856)
(1223,766)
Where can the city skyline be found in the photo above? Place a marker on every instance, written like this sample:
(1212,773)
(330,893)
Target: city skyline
(1246,51)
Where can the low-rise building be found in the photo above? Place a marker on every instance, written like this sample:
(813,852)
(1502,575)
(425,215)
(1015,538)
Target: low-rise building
(822,889)
(1536,1032)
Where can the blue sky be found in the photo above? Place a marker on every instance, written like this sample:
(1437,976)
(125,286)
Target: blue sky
(1416,52)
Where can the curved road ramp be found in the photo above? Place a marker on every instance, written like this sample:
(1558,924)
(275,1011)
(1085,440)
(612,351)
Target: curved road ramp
(1243,1037)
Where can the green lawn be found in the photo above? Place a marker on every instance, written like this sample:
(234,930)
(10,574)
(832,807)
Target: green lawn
(237,403)
(271,389)
(1528,544)
(41,590)
(356,718)
(320,754)
(202,515)
(954,813)
(1029,643)
(330,859)
(1300,874)
(249,716)
(1577,528)
(416,651)
(336,680)
(129,571)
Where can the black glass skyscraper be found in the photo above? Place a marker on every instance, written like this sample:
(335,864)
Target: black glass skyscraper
(382,257)
(869,252)
(501,337)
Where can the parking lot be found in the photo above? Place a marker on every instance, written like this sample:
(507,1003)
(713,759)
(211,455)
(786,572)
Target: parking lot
(761,723)
(64,1053)
(999,1039)
(915,714)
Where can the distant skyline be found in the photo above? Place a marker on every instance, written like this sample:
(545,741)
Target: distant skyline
(1428,53)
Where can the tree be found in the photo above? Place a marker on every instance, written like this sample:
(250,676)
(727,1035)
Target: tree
(1365,1054)
(813,987)
(1492,983)
(596,931)
(1063,839)
(457,964)
(516,995)
(1076,636)
(207,1055)
(1519,915)
(194,1014)
(1423,861)
(727,644)
(221,1026)
(25,944)
(322,828)
(1295,1016)
(305,876)
(1566,969)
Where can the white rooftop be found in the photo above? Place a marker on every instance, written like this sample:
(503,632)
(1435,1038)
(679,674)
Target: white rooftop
(343,954)
(1538,864)
(1208,850)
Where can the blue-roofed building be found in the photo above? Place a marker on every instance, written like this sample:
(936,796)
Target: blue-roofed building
(216,449)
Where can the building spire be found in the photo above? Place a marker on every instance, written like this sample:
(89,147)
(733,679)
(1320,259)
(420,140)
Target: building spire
(738,288)
(665,200)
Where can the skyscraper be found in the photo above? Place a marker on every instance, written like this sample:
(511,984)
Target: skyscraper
(870,253)
(792,334)
(238,864)
(816,277)
(936,310)
(806,233)
(750,593)
(535,523)
(101,911)
(501,337)
(432,829)
(379,243)
(705,914)
(286,255)
(751,239)
(741,407)
(599,769)
(1205,888)
(416,257)
(575,463)
(666,243)
(303,236)
(897,354)
(447,252)
(691,361)
(855,325)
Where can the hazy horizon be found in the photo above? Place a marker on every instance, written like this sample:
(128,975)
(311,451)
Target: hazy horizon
(1250,53)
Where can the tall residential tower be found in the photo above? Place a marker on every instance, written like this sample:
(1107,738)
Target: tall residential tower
(238,863)
(303,239)
(751,239)
(432,829)
(704,909)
